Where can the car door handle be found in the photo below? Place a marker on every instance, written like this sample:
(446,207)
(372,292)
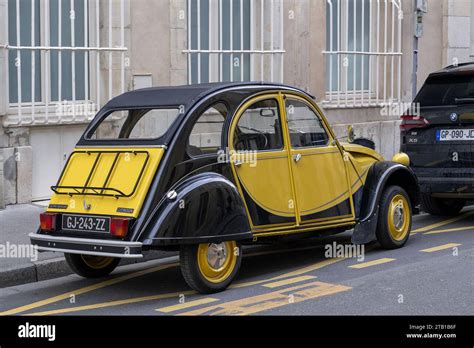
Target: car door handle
(238,163)
(297,157)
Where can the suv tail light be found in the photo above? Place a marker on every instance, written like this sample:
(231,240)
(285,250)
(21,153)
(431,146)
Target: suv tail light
(48,222)
(410,121)
(119,227)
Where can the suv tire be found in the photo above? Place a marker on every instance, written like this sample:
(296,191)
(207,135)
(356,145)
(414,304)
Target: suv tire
(440,206)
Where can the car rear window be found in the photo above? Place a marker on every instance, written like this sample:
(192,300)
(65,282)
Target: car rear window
(135,124)
(447,90)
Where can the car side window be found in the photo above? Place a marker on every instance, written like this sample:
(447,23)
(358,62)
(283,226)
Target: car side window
(205,137)
(259,128)
(305,126)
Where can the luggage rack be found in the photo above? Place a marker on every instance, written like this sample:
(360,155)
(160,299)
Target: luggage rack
(103,191)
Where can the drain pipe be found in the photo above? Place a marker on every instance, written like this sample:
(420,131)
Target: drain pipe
(419,10)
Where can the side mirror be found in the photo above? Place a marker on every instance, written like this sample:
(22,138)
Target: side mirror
(350,133)
(267,112)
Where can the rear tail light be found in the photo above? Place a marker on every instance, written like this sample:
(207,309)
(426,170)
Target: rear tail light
(410,122)
(48,222)
(119,227)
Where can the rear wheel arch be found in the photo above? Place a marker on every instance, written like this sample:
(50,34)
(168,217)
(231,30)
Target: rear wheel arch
(203,208)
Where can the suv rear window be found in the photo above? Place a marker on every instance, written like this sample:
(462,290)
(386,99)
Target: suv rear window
(447,90)
(135,124)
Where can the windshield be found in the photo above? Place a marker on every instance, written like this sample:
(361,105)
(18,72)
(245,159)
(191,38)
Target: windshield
(135,124)
(447,90)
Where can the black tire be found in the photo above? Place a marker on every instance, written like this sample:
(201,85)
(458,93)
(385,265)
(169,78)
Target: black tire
(81,265)
(384,235)
(441,206)
(195,278)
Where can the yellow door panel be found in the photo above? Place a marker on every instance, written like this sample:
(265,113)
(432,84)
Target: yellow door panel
(320,174)
(267,182)
(126,173)
(320,179)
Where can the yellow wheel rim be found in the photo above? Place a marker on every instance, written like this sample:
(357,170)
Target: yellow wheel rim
(399,217)
(96,262)
(216,261)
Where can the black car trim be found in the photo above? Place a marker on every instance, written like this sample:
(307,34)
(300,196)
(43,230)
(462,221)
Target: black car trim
(148,206)
(86,246)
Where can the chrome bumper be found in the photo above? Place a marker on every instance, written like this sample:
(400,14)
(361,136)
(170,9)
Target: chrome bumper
(86,246)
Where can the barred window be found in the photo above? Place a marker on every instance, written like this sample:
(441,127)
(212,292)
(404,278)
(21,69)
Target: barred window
(363,52)
(63,52)
(235,40)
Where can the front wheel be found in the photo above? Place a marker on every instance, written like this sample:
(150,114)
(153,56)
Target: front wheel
(210,267)
(395,218)
(88,266)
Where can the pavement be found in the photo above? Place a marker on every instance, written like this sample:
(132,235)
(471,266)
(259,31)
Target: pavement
(433,274)
(16,222)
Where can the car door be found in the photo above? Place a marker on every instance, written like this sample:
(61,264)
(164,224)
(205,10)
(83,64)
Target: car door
(260,163)
(319,171)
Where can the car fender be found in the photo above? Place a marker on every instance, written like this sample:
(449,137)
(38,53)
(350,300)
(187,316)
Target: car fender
(203,208)
(381,175)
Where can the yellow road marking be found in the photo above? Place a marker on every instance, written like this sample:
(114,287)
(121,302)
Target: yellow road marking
(288,281)
(89,288)
(187,305)
(440,247)
(112,303)
(271,300)
(372,263)
(442,223)
(316,266)
(123,278)
(451,230)
(298,272)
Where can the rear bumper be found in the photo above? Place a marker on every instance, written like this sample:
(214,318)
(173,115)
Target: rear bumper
(438,181)
(84,246)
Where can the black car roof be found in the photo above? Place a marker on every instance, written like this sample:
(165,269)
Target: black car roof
(181,95)
(453,69)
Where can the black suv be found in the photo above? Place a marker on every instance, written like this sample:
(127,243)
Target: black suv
(437,133)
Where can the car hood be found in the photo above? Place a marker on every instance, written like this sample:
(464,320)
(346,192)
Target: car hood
(359,150)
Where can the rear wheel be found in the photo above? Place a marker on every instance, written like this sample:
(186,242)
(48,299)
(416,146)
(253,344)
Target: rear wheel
(441,206)
(210,267)
(395,218)
(88,266)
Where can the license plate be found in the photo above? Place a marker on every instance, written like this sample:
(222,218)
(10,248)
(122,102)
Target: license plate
(455,134)
(86,223)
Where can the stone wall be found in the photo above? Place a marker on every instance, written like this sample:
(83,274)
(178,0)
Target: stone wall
(457,33)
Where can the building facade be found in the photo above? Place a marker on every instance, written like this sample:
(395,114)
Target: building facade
(61,60)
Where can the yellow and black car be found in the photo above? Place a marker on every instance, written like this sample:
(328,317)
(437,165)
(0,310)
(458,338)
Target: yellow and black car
(204,169)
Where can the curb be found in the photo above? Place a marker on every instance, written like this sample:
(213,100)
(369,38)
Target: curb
(56,268)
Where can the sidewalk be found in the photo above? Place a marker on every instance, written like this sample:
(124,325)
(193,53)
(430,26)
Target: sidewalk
(16,222)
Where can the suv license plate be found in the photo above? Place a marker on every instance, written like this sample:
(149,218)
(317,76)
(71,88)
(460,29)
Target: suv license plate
(455,134)
(86,223)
